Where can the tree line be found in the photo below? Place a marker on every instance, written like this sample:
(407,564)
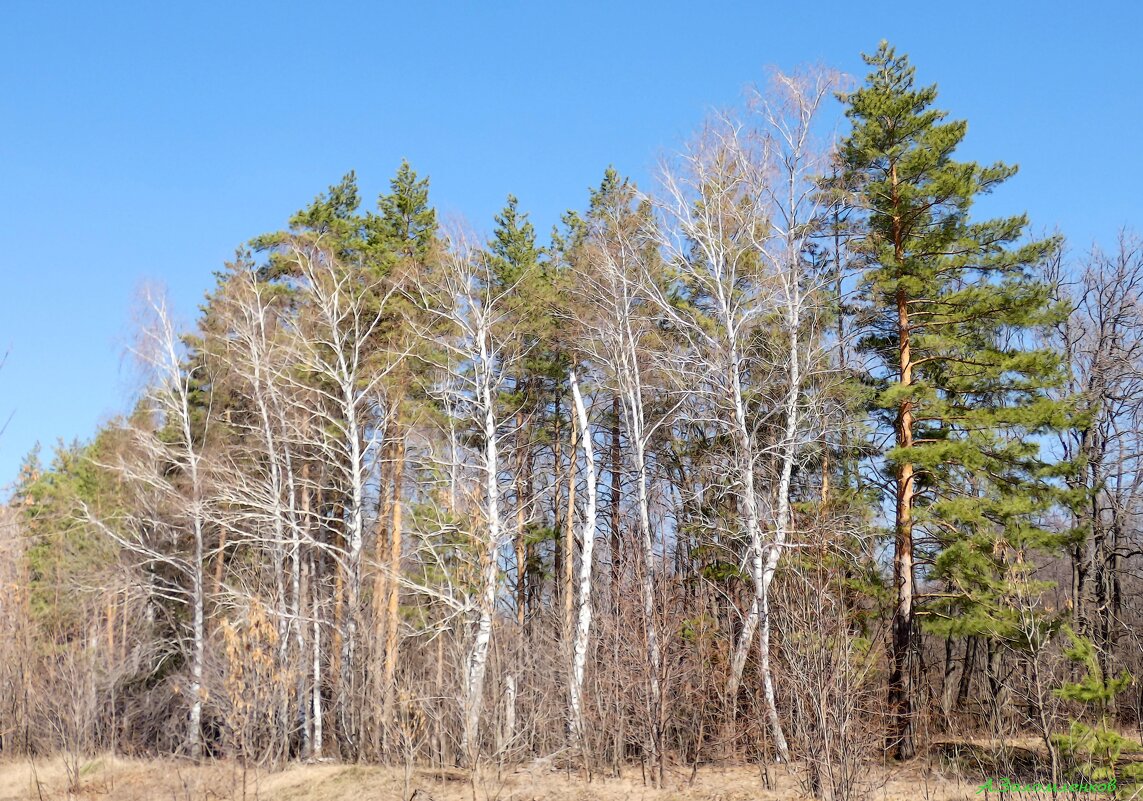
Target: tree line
(791,459)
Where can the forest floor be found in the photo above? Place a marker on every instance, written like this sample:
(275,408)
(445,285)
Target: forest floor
(117,779)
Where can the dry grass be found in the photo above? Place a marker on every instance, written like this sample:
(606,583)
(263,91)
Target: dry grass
(114,779)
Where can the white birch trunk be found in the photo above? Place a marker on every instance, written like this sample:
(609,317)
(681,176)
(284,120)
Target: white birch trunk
(486,601)
(781,528)
(198,574)
(632,383)
(198,648)
(583,621)
(744,464)
(318,741)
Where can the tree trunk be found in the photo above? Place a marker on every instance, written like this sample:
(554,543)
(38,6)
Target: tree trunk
(901,743)
(964,686)
(477,661)
(392,602)
(568,547)
(583,624)
(315,665)
(521,544)
(763,561)
(616,496)
(198,648)
(378,719)
(557,510)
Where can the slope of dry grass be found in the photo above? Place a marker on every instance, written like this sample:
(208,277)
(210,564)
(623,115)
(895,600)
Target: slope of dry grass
(116,779)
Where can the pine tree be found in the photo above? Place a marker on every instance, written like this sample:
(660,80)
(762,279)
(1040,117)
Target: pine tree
(405,225)
(950,302)
(333,218)
(404,237)
(65,554)
(515,260)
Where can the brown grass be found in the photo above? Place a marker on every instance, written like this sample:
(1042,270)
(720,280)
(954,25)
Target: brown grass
(116,779)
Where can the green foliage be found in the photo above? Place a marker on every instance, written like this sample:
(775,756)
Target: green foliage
(404,228)
(332,217)
(974,296)
(406,224)
(66,555)
(519,271)
(700,628)
(1095,748)
(515,254)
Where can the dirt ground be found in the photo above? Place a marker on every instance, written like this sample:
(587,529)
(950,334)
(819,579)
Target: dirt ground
(116,779)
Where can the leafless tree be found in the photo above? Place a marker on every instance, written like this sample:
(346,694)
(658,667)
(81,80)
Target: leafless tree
(1102,342)
(739,210)
(170,468)
(616,316)
(470,311)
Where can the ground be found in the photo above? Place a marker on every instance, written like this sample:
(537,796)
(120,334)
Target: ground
(116,779)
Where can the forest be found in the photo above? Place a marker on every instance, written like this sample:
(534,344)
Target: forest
(792,460)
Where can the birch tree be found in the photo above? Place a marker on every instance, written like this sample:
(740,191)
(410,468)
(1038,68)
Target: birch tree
(471,311)
(788,113)
(583,601)
(716,218)
(264,484)
(614,316)
(175,509)
(338,387)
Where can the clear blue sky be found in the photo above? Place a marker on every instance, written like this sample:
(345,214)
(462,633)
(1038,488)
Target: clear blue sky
(147,140)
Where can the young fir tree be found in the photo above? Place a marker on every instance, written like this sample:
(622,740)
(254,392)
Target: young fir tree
(949,305)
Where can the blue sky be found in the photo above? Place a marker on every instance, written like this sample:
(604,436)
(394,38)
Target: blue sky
(145,141)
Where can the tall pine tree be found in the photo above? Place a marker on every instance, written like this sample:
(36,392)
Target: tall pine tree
(404,236)
(516,262)
(950,304)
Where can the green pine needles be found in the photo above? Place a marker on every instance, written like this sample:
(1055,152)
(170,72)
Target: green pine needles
(952,306)
(1096,748)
